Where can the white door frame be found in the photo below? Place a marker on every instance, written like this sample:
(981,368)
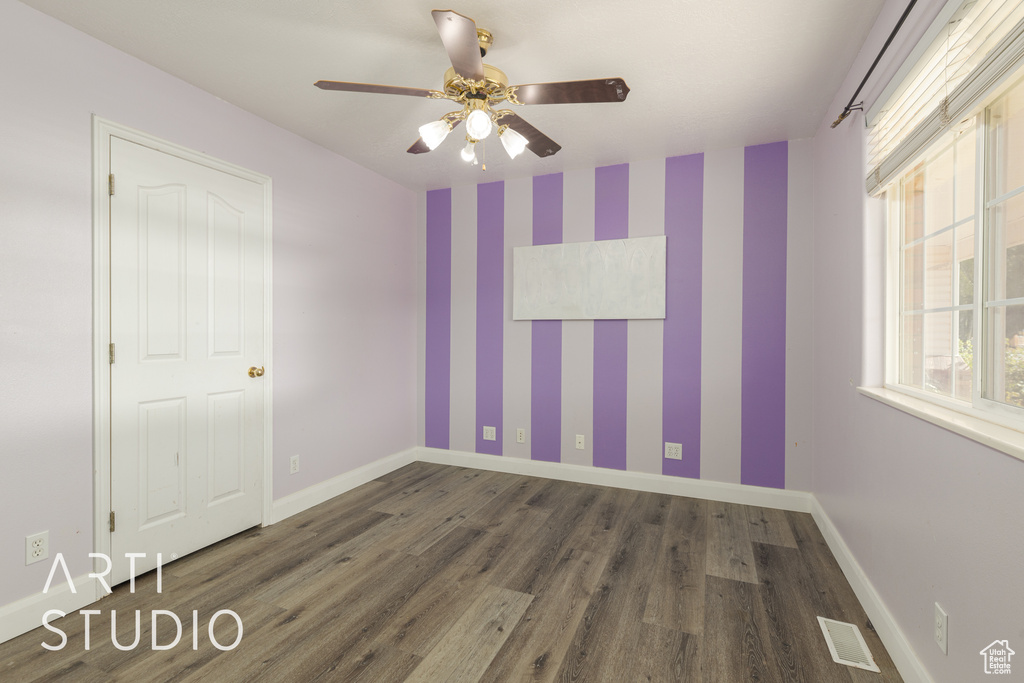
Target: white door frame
(102,131)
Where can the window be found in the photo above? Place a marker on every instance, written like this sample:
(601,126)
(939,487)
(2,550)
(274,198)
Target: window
(956,275)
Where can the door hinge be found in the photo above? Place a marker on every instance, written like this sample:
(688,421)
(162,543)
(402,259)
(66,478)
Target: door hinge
(111,353)
(111,520)
(110,183)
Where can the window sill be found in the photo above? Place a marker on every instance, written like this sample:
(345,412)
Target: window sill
(1009,441)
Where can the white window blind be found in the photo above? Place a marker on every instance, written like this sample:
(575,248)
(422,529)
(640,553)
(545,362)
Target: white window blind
(979,45)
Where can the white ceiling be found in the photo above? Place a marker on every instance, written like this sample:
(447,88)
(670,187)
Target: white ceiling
(702,75)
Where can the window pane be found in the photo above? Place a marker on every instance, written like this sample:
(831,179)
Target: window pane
(1006,367)
(965,169)
(964,361)
(965,264)
(938,345)
(911,344)
(1006,152)
(938,192)
(938,262)
(913,278)
(1006,239)
(913,205)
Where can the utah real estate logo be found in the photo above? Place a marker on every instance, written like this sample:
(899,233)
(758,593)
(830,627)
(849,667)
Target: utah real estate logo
(997,657)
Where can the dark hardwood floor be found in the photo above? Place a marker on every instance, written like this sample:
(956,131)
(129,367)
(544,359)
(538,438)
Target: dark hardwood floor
(436,573)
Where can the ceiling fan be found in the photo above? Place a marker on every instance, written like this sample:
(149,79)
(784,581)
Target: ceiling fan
(478,87)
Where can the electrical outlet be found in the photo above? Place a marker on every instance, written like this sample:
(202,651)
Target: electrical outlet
(490,434)
(579,442)
(673,451)
(37,547)
(520,435)
(293,464)
(941,628)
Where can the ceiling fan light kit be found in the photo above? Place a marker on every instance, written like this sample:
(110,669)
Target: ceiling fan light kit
(477,86)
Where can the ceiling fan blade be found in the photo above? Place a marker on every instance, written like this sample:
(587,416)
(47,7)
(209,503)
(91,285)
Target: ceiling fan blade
(371,87)
(569,92)
(420,147)
(537,142)
(458,33)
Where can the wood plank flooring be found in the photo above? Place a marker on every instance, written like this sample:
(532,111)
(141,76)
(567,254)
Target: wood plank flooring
(435,573)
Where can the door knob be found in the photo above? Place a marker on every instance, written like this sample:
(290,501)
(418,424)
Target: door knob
(256,371)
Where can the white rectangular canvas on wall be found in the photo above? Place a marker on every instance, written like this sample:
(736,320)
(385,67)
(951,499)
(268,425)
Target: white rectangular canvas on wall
(605,280)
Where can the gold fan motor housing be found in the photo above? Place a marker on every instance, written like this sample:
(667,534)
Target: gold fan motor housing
(484,39)
(495,82)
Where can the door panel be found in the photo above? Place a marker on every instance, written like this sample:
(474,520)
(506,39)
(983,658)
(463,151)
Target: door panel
(162,432)
(226,421)
(227,273)
(162,260)
(187,312)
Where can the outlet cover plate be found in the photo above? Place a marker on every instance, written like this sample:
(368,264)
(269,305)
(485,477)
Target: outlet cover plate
(293,465)
(37,547)
(580,442)
(490,434)
(520,435)
(673,451)
(941,629)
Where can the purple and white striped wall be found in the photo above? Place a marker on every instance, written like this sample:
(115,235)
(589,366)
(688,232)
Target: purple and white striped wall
(711,375)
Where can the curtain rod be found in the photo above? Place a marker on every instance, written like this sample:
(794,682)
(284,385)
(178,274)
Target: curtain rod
(859,106)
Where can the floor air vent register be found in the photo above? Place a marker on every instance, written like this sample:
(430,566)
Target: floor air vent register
(847,644)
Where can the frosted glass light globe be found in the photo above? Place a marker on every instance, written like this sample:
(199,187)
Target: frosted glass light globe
(434,133)
(469,152)
(478,124)
(513,142)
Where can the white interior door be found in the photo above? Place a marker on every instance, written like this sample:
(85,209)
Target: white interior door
(187,323)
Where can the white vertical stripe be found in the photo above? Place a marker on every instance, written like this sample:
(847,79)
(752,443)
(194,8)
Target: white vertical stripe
(578,335)
(463,346)
(799,306)
(421,314)
(517,338)
(645,367)
(721,316)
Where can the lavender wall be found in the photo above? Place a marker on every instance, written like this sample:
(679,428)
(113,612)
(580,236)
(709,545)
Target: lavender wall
(628,386)
(344,283)
(929,515)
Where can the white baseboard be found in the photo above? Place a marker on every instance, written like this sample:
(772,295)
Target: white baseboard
(797,501)
(26,614)
(294,503)
(903,656)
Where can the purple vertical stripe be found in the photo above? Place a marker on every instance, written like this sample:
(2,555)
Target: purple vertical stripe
(611,221)
(490,313)
(546,341)
(437,375)
(684,228)
(763,404)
